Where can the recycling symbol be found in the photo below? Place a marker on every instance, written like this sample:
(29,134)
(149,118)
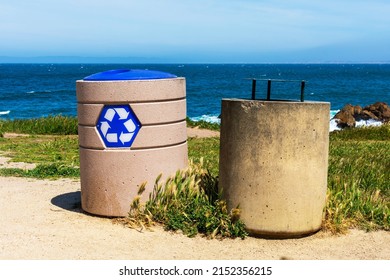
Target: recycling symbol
(118,126)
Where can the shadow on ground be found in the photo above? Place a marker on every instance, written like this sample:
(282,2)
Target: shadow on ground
(68,201)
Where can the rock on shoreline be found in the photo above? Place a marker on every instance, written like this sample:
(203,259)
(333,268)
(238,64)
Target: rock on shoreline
(349,114)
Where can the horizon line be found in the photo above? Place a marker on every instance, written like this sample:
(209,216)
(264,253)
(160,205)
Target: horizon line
(155,60)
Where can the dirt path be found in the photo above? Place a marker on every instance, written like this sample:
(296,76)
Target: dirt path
(41,219)
(201,133)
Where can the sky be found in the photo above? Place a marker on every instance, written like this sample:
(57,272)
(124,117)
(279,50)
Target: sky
(196,31)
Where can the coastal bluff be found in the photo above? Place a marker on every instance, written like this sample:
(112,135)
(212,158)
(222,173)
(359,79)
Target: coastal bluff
(349,114)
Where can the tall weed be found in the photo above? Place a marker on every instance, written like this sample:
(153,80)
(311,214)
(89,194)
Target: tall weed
(188,202)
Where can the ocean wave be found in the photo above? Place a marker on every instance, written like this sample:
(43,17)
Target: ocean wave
(45,91)
(333,113)
(207,118)
(39,91)
(333,125)
(332,122)
(2,113)
(362,123)
(368,123)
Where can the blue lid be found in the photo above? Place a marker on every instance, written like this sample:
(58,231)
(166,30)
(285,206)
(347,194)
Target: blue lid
(126,74)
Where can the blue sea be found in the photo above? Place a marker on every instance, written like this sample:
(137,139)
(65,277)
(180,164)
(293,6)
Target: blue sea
(37,90)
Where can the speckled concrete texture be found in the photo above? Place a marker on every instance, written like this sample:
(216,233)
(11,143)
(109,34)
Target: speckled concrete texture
(274,164)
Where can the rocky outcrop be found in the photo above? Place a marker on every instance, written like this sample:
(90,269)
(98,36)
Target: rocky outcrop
(349,115)
(380,110)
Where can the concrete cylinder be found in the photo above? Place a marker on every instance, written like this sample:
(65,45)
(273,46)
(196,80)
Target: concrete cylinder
(155,138)
(274,164)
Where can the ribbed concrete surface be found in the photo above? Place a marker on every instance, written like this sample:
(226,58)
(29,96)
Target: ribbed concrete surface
(110,177)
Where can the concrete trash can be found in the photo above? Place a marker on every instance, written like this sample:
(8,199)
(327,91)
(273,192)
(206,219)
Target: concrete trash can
(274,164)
(132,128)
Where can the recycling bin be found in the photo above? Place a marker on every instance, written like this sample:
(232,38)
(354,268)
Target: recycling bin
(132,128)
(274,164)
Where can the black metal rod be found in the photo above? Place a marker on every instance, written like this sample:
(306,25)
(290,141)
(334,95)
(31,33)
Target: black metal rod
(253,89)
(269,81)
(269,90)
(302,91)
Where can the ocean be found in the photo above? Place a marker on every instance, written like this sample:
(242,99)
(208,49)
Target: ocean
(38,90)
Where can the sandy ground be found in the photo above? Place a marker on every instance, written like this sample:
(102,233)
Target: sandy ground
(42,219)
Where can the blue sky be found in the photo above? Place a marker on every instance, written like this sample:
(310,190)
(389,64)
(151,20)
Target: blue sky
(185,31)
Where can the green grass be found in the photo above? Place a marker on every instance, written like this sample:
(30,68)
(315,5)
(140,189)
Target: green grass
(358,181)
(58,125)
(381,133)
(208,150)
(55,156)
(43,171)
(205,148)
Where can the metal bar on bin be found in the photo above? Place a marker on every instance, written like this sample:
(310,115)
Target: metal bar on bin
(269,90)
(253,89)
(269,81)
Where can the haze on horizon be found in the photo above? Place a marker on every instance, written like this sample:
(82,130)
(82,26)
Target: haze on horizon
(196,31)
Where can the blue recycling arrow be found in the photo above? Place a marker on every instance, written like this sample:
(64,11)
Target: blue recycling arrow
(118,126)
